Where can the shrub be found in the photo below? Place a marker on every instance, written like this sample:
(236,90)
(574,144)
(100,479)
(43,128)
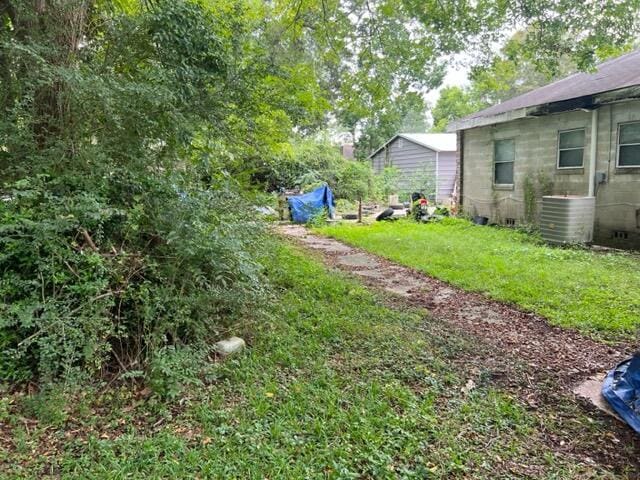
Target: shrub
(122,236)
(89,282)
(173,368)
(355,182)
(386,183)
(309,163)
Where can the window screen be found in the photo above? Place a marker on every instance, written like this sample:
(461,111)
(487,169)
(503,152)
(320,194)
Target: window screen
(571,149)
(503,156)
(629,145)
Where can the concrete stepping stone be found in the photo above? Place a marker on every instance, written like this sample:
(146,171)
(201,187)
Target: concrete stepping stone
(442,296)
(328,246)
(370,273)
(483,314)
(591,390)
(358,260)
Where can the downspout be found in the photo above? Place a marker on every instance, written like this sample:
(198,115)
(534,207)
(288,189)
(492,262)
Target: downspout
(459,170)
(593,152)
(437,175)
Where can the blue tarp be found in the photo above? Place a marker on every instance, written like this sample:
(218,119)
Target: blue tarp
(304,207)
(621,388)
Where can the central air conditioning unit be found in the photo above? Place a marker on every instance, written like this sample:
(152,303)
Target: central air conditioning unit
(567,219)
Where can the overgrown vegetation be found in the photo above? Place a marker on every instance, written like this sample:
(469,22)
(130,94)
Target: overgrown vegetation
(334,380)
(534,187)
(124,233)
(134,134)
(590,291)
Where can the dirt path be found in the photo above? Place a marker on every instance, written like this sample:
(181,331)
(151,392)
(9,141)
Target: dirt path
(521,352)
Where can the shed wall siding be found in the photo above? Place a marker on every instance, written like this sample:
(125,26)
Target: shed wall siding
(446,175)
(378,161)
(617,201)
(413,161)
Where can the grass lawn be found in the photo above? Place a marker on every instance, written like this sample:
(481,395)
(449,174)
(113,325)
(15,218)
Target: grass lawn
(334,385)
(598,293)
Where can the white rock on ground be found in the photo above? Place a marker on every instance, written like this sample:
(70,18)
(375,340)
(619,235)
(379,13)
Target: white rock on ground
(230,345)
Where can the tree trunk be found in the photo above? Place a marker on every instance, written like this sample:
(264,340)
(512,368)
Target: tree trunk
(61,26)
(360,210)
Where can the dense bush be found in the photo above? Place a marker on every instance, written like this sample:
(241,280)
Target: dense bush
(88,282)
(307,163)
(124,235)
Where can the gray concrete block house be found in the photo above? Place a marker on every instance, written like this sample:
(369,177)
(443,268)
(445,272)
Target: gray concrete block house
(421,158)
(578,137)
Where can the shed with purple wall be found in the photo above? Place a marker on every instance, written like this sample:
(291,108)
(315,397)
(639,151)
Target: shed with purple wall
(420,154)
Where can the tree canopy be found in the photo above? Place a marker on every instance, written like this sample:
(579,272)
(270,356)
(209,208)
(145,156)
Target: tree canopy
(511,72)
(377,58)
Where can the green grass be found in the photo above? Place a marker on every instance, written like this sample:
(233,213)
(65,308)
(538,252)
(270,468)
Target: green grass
(593,292)
(334,385)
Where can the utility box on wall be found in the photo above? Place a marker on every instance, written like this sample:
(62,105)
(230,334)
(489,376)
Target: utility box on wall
(567,219)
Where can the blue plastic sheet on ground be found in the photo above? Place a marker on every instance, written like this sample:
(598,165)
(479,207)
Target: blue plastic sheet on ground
(306,206)
(621,388)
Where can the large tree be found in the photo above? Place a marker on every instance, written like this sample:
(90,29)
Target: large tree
(371,54)
(511,72)
(126,132)
(453,103)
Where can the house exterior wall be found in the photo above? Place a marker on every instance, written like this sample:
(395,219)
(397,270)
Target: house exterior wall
(536,150)
(415,161)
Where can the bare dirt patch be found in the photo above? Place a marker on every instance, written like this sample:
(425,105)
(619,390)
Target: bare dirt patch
(518,352)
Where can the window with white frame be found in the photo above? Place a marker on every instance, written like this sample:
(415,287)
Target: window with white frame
(629,145)
(504,154)
(571,148)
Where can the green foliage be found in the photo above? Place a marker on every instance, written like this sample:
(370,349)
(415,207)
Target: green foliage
(355,181)
(534,188)
(453,103)
(174,368)
(308,163)
(405,114)
(122,235)
(318,219)
(49,406)
(574,288)
(386,182)
(377,59)
(100,281)
(530,200)
(346,386)
(423,181)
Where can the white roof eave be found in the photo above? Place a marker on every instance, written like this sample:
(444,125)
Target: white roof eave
(466,124)
(410,139)
(431,147)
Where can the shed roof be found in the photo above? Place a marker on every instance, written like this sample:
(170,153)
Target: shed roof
(614,74)
(440,142)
